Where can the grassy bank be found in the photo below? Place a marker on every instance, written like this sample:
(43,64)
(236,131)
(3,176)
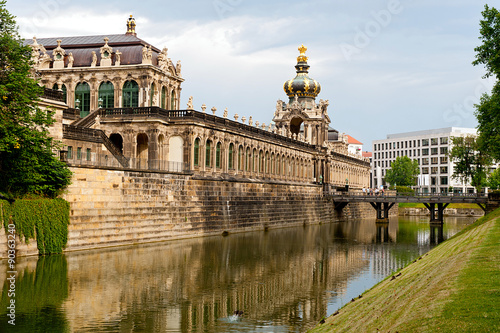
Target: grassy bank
(452,205)
(453,288)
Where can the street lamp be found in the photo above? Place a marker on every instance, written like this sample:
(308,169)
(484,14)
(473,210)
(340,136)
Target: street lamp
(77,103)
(100,102)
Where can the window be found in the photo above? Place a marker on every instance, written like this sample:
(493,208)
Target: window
(63,89)
(82,97)
(130,94)
(218,155)
(398,145)
(386,145)
(443,169)
(425,161)
(172,100)
(444,159)
(434,160)
(425,171)
(207,153)
(247,159)
(230,157)
(79,153)
(443,150)
(444,180)
(443,141)
(406,144)
(70,152)
(425,151)
(163,98)
(434,151)
(434,141)
(89,154)
(107,95)
(425,142)
(152,94)
(196,152)
(434,170)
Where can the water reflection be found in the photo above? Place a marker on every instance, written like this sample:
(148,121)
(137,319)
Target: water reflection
(283,280)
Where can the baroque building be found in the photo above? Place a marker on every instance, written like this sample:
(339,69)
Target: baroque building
(120,98)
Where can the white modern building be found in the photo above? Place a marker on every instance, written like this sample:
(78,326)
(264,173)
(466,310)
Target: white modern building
(430,148)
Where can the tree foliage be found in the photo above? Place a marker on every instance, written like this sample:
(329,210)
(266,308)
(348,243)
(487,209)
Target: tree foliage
(27,160)
(488,110)
(494,180)
(471,164)
(403,172)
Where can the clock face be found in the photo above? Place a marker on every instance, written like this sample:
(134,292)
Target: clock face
(106,54)
(58,56)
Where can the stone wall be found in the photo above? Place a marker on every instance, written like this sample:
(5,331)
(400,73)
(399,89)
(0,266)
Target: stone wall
(116,207)
(113,207)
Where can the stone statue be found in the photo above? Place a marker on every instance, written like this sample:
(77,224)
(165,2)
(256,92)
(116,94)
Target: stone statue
(250,121)
(225,113)
(203,107)
(70,60)
(190,103)
(163,59)
(257,124)
(178,68)
(94,59)
(150,53)
(155,99)
(243,119)
(144,53)
(279,107)
(117,58)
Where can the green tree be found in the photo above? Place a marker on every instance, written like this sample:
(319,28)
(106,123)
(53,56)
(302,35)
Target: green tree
(27,162)
(488,110)
(471,164)
(494,180)
(403,172)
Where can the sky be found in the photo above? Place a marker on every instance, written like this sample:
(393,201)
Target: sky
(386,66)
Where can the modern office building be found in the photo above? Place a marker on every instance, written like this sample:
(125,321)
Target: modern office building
(430,148)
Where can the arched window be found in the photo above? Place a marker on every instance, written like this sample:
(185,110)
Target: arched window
(261,162)
(266,166)
(163,97)
(196,160)
(230,158)
(130,94)
(254,160)
(117,141)
(152,94)
(218,155)
(207,153)
(63,89)
(172,100)
(107,95)
(82,97)
(240,158)
(248,157)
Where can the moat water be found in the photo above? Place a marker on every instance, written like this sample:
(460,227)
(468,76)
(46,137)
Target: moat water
(283,280)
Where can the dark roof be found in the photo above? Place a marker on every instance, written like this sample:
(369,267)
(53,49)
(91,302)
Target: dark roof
(90,41)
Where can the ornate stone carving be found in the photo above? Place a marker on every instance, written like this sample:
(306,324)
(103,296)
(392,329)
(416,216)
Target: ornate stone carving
(236,117)
(256,124)
(106,52)
(178,68)
(225,113)
(163,59)
(203,107)
(250,121)
(213,110)
(58,53)
(243,119)
(147,55)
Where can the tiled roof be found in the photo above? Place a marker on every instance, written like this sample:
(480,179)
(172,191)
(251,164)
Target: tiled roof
(367,154)
(352,140)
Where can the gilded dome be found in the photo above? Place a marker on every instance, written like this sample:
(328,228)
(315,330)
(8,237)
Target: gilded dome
(302,85)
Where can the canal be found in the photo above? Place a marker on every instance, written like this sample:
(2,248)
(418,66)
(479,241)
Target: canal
(283,280)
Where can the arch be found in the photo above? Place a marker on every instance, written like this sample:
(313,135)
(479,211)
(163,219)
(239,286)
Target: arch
(176,152)
(266,163)
(218,155)
(107,94)
(208,151)
(196,152)
(295,125)
(130,94)
(142,151)
(82,96)
(117,140)
(230,157)
(241,158)
(172,100)
(248,158)
(163,97)
(261,161)
(254,160)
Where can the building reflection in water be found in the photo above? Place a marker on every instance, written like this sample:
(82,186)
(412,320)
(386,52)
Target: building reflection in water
(282,278)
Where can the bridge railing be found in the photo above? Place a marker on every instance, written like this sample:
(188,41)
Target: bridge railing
(405,195)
